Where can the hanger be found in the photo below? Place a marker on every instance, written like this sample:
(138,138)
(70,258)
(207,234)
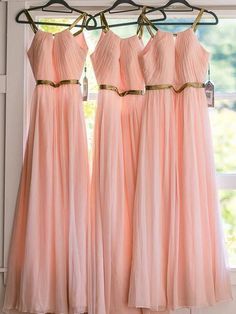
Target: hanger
(135,6)
(186,4)
(110,10)
(44,7)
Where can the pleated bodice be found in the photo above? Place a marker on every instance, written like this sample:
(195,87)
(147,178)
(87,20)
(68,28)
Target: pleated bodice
(169,59)
(115,61)
(58,57)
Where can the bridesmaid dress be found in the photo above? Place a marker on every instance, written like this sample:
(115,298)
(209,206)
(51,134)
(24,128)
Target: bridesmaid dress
(178,256)
(116,140)
(47,267)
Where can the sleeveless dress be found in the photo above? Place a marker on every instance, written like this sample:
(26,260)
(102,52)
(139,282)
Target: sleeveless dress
(47,265)
(178,256)
(116,139)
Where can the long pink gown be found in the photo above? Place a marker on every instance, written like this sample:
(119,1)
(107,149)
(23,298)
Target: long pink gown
(178,253)
(116,139)
(47,266)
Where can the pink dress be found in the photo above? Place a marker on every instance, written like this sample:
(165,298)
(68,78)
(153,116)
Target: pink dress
(116,139)
(178,255)
(47,265)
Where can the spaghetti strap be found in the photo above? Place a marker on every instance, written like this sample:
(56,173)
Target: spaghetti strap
(82,17)
(140,26)
(31,21)
(197,20)
(142,18)
(35,28)
(104,24)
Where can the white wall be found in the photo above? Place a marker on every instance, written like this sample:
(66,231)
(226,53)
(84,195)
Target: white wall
(2,126)
(12,56)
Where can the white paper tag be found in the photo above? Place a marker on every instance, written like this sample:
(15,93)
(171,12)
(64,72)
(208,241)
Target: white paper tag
(210,91)
(85,86)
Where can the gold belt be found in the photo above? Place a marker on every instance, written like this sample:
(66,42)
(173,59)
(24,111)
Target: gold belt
(179,90)
(121,93)
(53,84)
(151,87)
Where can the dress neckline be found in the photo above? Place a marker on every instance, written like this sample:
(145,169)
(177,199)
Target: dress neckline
(64,31)
(49,35)
(123,38)
(175,34)
(193,27)
(139,32)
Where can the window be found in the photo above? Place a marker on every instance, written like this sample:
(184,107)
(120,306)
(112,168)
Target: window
(220,41)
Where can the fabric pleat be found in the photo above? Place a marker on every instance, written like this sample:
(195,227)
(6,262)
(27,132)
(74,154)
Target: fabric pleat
(47,267)
(116,141)
(178,255)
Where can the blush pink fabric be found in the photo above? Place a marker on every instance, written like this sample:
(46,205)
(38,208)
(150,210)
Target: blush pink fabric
(178,255)
(116,139)
(47,266)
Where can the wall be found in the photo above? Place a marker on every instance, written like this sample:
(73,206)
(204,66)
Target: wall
(2,129)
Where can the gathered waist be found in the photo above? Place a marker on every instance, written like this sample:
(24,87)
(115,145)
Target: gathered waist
(57,84)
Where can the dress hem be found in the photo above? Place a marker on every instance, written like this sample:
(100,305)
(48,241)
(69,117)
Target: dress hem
(163,308)
(8,310)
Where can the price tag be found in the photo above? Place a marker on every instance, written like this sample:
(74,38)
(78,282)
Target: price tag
(210,90)
(85,85)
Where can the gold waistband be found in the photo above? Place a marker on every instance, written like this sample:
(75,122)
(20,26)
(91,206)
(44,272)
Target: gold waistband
(53,84)
(151,87)
(179,90)
(121,93)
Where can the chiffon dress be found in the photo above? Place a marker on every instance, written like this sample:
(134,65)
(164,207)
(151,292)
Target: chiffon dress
(116,139)
(178,256)
(47,266)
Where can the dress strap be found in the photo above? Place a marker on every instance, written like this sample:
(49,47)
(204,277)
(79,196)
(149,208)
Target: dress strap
(197,20)
(31,21)
(142,18)
(104,24)
(82,17)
